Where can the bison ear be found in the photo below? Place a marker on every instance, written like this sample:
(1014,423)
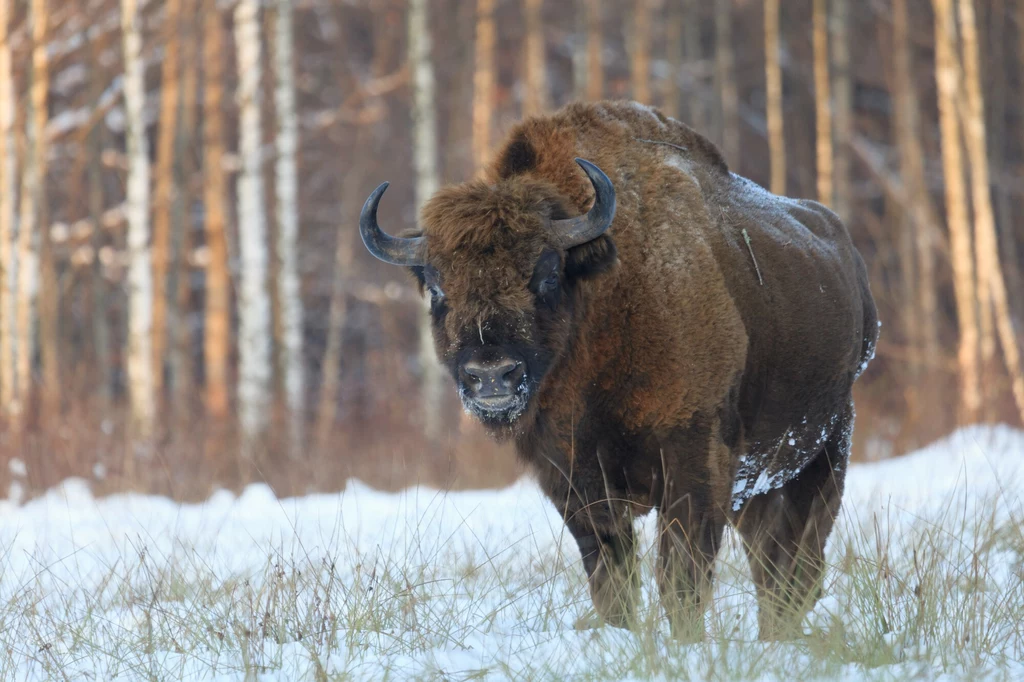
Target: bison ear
(591,259)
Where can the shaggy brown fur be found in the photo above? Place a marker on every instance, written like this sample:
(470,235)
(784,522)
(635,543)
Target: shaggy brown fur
(698,358)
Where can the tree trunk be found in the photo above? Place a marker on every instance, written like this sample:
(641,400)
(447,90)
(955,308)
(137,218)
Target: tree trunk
(140,283)
(726,82)
(947,77)
(163,195)
(49,332)
(922,325)
(254,360)
(535,98)
(694,58)
(180,286)
(991,284)
(483,82)
(641,56)
(677,23)
(217,338)
(32,198)
(773,97)
(842,105)
(823,103)
(288,286)
(8,171)
(595,63)
(100,290)
(425,162)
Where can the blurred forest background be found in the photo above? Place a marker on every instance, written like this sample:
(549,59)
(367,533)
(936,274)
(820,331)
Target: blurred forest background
(184,300)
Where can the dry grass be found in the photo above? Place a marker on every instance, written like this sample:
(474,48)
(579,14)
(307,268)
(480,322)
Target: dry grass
(905,598)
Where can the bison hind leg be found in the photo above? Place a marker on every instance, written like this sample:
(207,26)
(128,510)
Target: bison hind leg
(784,533)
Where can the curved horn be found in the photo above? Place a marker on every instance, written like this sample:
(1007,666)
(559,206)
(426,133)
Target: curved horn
(582,229)
(394,250)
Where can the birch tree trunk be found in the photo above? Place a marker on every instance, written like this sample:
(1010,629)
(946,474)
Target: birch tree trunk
(8,171)
(842,105)
(140,283)
(163,196)
(641,57)
(288,292)
(425,162)
(823,102)
(947,77)
(726,81)
(483,82)
(535,99)
(595,64)
(991,284)
(216,342)
(923,328)
(773,93)
(254,332)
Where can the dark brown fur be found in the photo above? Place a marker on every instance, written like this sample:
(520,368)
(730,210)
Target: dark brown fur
(684,368)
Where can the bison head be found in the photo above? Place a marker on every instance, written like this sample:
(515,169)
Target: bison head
(502,264)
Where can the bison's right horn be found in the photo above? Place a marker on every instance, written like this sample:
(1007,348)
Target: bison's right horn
(394,250)
(582,229)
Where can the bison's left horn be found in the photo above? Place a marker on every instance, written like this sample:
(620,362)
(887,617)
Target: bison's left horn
(394,250)
(582,229)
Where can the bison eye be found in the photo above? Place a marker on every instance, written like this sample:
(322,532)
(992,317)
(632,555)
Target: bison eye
(436,295)
(549,284)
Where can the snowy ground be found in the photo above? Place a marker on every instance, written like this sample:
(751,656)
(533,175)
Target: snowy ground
(926,583)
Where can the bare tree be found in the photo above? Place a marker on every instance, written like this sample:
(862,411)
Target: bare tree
(163,194)
(140,283)
(217,339)
(483,81)
(726,82)
(535,99)
(921,297)
(823,102)
(694,57)
(180,286)
(8,171)
(47,281)
(288,294)
(676,32)
(991,284)
(947,77)
(254,333)
(842,107)
(773,79)
(425,162)
(640,48)
(32,197)
(595,64)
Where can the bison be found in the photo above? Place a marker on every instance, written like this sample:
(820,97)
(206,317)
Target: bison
(654,332)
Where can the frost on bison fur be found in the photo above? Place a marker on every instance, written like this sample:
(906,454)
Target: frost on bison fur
(653,332)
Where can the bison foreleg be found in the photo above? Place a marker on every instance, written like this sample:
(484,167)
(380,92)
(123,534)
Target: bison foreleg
(689,536)
(609,558)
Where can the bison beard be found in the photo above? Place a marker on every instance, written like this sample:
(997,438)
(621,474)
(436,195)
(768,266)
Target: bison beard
(654,332)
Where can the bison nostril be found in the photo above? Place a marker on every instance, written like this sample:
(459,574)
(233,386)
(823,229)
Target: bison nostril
(512,373)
